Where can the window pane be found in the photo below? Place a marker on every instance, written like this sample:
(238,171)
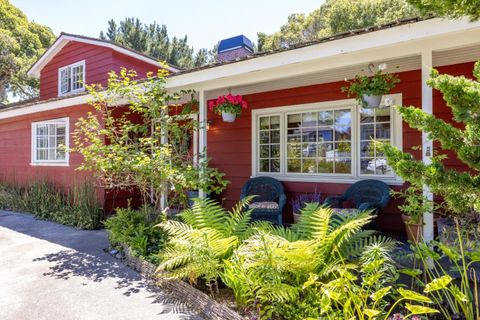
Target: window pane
(309,165)
(264,151)
(264,137)
(293,150)
(309,119)
(275,122)
(264,165)
(275,136)
(325,150)
(309,134)
(342,133)
(383,131)
(382,115)
(367,115)
(343,149)
(309,150)
(264,123)
(325,134)
(367,166)
(275,165)
(293,165)
(342,117)
(367,149)
(325,118)
(367,132)
(293,135)
(382,167)
(325,166)
(275,151)
(343,165)
(294,120)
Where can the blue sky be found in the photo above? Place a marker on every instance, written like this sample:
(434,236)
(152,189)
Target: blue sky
(204,21)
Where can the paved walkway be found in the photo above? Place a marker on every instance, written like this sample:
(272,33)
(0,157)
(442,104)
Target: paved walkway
(54,272)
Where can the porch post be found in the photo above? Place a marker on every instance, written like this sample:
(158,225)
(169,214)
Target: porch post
(427,145)
(202,134)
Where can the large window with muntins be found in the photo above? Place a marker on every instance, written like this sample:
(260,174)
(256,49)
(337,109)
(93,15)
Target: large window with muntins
(71,78)
(322,141)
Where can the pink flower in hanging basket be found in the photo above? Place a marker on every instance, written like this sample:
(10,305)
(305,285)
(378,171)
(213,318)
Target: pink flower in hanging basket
(228,104)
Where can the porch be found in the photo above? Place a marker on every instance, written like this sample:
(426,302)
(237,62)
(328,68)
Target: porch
(301,129)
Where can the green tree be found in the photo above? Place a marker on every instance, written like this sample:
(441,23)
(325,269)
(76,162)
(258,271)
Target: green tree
(21,43)
(449,8)
(153,39)
(461,190)
(335,16)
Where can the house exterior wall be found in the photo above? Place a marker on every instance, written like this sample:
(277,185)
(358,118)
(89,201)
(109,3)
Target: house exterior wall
(229,144)
(99,61)
(16,148)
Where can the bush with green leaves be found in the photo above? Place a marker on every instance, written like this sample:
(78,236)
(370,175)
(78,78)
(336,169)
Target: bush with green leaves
(136,229)
(78,207)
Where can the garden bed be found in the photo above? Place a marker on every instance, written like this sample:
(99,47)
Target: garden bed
(180,289)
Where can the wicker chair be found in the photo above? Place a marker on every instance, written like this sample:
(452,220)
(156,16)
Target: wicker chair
(365,194)
(269,201)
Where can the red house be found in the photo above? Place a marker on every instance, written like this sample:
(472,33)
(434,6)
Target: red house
(298,87)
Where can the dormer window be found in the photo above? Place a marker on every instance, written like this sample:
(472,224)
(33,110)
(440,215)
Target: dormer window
(71,78)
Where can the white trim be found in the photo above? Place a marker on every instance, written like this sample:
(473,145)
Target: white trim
(402,41)
(237,47)
(202,135)
(63,39)
(395,137)
(71,66)
(64,162)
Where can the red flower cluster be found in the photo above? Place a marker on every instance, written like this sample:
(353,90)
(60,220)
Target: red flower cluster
(228,101)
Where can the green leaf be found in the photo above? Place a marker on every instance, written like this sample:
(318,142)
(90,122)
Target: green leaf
(371,313)
(416,309)
(438,284)
(379,294)
(412,295)
(411,272)
(459,295)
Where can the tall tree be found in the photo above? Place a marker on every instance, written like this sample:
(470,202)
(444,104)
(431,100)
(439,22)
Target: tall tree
(153,39)
(449,8)
(335,16)
(21,43)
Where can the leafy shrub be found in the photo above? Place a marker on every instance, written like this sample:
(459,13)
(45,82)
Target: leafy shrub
(298,203)
(78,207)
(135,229)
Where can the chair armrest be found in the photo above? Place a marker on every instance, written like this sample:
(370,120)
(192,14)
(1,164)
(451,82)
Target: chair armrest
(281,202)
(365,206)
(334,202)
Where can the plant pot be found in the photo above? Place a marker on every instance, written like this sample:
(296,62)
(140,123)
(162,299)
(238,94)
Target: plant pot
(414,231)
(372,101)
(228,117)
(296,217)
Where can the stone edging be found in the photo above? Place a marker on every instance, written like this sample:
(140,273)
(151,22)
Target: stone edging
(181,290)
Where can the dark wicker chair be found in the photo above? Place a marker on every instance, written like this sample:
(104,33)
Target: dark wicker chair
(269,201)
(365,194)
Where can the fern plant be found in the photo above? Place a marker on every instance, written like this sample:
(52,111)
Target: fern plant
(206,235)
(279,270)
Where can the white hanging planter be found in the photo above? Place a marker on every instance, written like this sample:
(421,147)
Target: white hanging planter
(371,101)
(228,117)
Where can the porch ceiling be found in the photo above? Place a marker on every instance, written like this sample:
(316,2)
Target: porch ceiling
(440,58)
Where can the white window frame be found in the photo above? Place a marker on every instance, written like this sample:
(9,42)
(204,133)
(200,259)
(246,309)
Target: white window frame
(64,162)
(71,66)
(396,140)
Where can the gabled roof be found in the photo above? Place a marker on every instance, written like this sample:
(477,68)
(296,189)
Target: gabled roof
(65,38)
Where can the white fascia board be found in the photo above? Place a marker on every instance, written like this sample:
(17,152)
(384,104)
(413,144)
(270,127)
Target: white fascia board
(404,40)
(46,106)
(64,39)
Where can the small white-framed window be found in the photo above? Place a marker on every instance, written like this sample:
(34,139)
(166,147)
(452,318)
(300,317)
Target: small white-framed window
(50,142)
(71,78)
(326,141)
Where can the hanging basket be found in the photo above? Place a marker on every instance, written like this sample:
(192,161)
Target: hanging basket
(371,101)
(228,117)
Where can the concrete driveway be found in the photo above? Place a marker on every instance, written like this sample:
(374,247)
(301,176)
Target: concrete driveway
(50,271)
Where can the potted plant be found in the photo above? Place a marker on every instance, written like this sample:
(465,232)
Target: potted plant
(368,90)
(229,106)
(298,203)
(414,206)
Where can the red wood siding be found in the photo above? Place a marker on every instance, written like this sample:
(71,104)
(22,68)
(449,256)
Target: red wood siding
(15,151)
(99,61)
(229,144)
